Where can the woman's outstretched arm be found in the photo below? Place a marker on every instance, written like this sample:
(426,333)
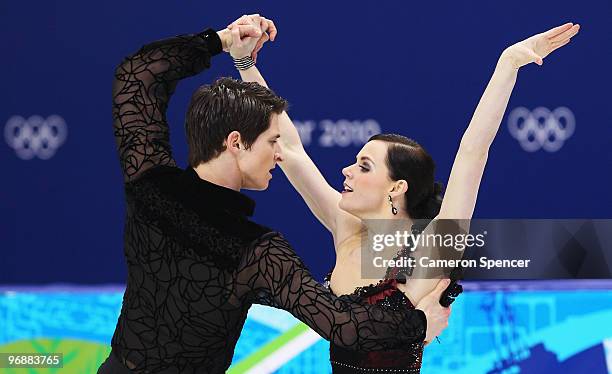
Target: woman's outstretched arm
(462,190)
(468,167)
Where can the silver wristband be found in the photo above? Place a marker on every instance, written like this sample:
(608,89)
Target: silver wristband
(244,63)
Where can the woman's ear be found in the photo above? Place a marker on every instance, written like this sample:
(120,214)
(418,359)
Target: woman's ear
(399,188)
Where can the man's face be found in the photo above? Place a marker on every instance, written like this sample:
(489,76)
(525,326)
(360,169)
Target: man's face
(256,164)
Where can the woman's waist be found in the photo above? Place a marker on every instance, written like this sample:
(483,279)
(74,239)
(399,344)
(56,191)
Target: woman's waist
(407,359)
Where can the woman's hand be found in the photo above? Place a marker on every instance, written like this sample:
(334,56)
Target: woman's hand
(267,27)
(537,47)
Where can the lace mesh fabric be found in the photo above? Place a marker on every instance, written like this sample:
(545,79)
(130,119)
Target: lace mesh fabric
(406,359)
(195,266)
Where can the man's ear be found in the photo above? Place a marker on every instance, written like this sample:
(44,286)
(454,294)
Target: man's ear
(398,188)
(233,142)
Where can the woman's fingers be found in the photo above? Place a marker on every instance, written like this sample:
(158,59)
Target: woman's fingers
(535,57)
(558,30)
(268,26)
(560,44)
(272,29)
(268,33)
(264,38)
(566,34)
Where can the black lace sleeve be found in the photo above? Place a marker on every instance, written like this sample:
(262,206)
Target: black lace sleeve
(273,274)
(143,85)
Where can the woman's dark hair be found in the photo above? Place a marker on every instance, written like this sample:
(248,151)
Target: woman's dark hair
(407,160)
(225,106)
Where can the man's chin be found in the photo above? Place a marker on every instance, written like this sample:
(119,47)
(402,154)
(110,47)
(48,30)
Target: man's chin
(257,186)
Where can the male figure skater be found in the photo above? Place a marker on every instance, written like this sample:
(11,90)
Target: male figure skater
(196,263)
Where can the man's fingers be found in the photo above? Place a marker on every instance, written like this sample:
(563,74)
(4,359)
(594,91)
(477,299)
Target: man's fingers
(265,25)
(441,286)
(254,19)
(245,20)
(236,36)
(249,31)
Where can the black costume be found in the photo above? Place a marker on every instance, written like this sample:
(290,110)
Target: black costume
(195,261)
(405,359)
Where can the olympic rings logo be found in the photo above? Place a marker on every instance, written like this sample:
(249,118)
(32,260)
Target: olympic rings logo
(541,128)
(35,137)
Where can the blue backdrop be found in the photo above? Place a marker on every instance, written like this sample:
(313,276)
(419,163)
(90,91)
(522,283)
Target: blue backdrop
(413,68)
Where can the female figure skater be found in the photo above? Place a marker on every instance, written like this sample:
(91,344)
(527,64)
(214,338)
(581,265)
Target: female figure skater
(393,178)
(196,262)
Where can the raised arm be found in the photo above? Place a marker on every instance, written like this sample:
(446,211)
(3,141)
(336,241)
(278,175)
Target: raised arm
(143,85)
(468,167)
(462,190)
(272,274)
(321,198)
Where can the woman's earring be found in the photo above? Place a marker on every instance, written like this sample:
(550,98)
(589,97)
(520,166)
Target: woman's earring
(393,208)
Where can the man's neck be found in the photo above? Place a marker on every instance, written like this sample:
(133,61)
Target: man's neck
(220,171)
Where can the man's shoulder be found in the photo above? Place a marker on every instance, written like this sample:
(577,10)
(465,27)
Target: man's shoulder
(155,176)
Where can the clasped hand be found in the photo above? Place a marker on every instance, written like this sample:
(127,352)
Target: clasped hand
(247,35)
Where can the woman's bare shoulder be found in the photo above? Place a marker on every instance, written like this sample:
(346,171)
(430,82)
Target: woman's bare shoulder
(347,227)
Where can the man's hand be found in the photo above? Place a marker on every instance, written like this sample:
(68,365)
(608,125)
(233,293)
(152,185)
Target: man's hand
(244,40)
(437,315)
(267,27)
(537,47)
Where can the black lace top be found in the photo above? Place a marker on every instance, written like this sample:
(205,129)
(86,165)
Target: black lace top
(196,263)
(404,359)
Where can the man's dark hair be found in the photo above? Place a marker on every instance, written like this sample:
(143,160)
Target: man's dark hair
(225,106)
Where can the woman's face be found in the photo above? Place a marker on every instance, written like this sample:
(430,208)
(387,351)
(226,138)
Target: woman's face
(367,184)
